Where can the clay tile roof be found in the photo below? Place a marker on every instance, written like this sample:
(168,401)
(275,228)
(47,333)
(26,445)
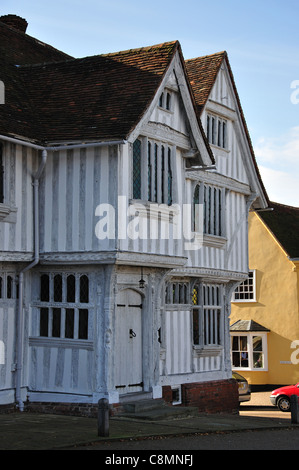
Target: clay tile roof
(100,97)
(202,73)
(283,222)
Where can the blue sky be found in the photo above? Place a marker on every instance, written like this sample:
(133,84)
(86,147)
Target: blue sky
(261,38)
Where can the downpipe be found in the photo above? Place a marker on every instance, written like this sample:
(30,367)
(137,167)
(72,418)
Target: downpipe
(20,331)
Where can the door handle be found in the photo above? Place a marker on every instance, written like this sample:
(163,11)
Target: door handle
(132,333)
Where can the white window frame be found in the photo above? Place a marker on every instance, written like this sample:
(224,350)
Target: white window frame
(250,338)
(247,287)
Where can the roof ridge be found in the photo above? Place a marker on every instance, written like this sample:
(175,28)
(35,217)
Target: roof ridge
(283,205)
(223,53)
(140,49)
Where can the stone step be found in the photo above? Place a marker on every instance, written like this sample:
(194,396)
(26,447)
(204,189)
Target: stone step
(143,405)
(156,410)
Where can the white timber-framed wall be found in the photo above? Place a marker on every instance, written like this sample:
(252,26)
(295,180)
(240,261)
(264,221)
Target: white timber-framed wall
(159,345)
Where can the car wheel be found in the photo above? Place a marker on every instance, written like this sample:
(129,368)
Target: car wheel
(284,404)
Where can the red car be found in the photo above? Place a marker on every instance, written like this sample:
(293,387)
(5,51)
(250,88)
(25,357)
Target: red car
(281,397)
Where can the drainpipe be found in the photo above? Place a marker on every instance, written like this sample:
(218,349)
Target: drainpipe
(20,321)
(20,332)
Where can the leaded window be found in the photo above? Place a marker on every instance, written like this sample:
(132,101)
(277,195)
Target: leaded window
(152,172)
(207,315)
(211,199)
(137,169)
(8,286)
(64,301)
(217,131)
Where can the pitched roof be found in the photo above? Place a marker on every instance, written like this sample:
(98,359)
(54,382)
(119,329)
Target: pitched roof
(18,48)
(202,73)
(247,325)
(50,96)
(283,222)
(100,97)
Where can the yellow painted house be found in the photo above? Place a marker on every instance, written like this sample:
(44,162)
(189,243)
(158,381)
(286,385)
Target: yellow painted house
(265,308)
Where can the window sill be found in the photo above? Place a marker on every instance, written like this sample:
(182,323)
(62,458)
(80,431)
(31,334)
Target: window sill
(207,351)
(7,213)
(214,241)
(249,369)
(154,210)
(43,341)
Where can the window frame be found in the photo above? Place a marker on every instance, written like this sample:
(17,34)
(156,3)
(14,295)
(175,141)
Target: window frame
(250,350)
(155,173)
(9,287)
(249,286)
(58,318)
(207,316)
(211,197)
(216,131)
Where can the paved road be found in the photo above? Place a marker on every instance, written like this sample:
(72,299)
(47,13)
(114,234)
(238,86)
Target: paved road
(277,439)
(264,439)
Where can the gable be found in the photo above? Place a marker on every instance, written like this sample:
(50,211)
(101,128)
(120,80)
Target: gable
(172,116)
(216,95)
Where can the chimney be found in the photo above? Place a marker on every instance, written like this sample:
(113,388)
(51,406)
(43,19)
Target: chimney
(15,22)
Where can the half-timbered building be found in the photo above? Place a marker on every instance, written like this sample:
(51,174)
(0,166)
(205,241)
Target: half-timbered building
(125,188)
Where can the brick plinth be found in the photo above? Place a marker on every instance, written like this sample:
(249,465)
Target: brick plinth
(219,396)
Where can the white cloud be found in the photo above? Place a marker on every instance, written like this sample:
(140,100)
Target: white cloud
(278,160)
(281,187)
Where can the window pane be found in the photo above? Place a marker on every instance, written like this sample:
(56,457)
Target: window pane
(71,288)
(257,343)
(244,359)
(1,287)
(83,324)
(258,360)
(195,327)
(69,322)
(58,288)
(195,296)
(243,343)
(162,173)
(235,343)
(137,169)
(149,171)
(43,322)
(168,101)
(56,322)
(9,287)
(236,359)
(84,289)
(44,288)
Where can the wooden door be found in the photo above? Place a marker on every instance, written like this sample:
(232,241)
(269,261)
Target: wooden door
(128,345)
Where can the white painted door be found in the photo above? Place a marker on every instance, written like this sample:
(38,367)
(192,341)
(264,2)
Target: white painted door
(128,357)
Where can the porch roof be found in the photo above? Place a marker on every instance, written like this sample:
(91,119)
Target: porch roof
(248,325)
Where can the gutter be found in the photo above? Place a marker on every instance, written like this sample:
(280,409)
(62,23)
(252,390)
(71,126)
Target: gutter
(36,178)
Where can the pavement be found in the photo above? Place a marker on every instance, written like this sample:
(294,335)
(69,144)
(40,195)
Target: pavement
(30,431)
